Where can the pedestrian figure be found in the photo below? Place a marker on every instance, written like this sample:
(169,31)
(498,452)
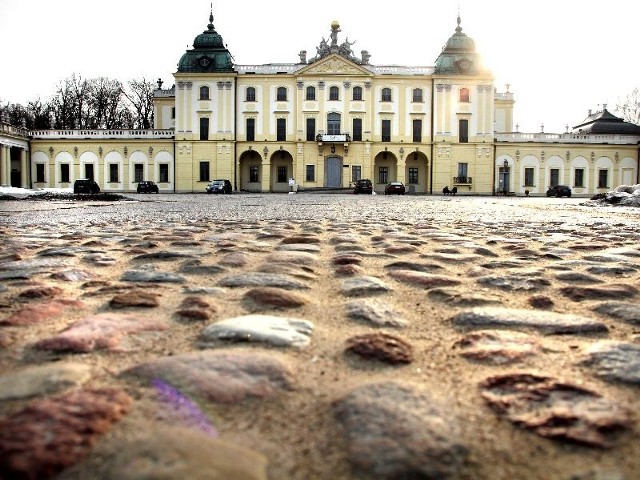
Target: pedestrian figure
(445,190)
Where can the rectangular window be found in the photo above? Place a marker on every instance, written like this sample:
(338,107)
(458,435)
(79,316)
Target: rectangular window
(603,178)
(311,173)
(528,177)
(281,132)
(463,131)
(88,171)
(64,172)
(282,174)
(254,176)
(386,131)
(554,177)
(40,173)
(356,173)
(356,134)
(333,124)
(417,131)
(251,129)
(311,129)
(463,169)
(113,173)
(204,171)
(173,113)
(204,129)
(383,174)
(138,172)
(163,174)
(413,175)
(578,177)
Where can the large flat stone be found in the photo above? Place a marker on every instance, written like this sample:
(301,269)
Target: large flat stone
(547,322)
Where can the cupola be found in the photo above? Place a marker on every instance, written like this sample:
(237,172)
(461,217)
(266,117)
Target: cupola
(209,54)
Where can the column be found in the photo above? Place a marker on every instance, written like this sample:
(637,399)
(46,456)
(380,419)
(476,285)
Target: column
(24,171)
(4,170)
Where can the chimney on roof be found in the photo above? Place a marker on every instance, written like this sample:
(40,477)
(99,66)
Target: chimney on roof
(604,107)
(589,112)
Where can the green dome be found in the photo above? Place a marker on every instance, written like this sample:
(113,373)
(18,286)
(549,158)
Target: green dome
(460,42)
(209,53)
(458,55)
(209,38)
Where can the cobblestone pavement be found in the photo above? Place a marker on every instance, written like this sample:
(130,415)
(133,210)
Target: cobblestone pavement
(318,336)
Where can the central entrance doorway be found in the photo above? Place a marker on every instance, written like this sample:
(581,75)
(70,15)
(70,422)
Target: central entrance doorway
(333,172)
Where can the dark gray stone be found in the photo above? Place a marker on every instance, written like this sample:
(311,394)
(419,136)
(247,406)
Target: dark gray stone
(615,361)
(462,298)
(152,276)
(363,285)
(627,312)
(377,313)
(514,282)
(396,431)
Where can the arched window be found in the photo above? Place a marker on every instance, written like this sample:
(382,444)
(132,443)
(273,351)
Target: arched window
(464,95)
(334,93)
(282,94)
(204,93)
(386,95)
(357,93)
(417,95)
(251,94)
(311,93)
(333,124)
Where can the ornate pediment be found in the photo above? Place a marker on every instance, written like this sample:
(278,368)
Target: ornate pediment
(334,65)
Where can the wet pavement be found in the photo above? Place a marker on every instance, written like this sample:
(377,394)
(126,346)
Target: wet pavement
(319,336)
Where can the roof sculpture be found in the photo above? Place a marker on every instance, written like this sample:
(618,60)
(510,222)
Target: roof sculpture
(343,49)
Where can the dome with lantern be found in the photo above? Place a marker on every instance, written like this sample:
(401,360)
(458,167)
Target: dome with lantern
(459,55)
(209,54)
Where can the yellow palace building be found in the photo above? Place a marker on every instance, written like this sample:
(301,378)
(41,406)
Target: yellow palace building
(327,120)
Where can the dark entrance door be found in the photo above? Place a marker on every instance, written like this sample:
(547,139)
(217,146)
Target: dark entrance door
(88,171)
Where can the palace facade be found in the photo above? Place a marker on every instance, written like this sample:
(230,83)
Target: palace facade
(325,121)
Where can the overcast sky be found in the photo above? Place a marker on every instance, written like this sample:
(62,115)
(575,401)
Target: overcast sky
(561,57)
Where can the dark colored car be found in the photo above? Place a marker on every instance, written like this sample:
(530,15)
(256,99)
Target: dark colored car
(363,186)
(394,187)
(559,191)
(85,185)
(148,187)
(219,186)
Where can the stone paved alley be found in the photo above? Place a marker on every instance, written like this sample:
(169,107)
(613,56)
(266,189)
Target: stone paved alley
(318,336)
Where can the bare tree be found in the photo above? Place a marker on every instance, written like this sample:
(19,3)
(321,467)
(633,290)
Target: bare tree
(39,115)
(140,95)
(106,104)
(629,107)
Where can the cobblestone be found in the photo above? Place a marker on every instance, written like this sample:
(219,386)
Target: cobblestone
(555,280)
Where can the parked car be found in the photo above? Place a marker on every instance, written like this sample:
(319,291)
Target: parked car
(85,185)
(148,187)
(394,187)
(559,191)
(219,186)
(363,186)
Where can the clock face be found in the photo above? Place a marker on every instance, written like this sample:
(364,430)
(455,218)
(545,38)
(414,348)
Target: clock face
(204,62)
(464,64)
